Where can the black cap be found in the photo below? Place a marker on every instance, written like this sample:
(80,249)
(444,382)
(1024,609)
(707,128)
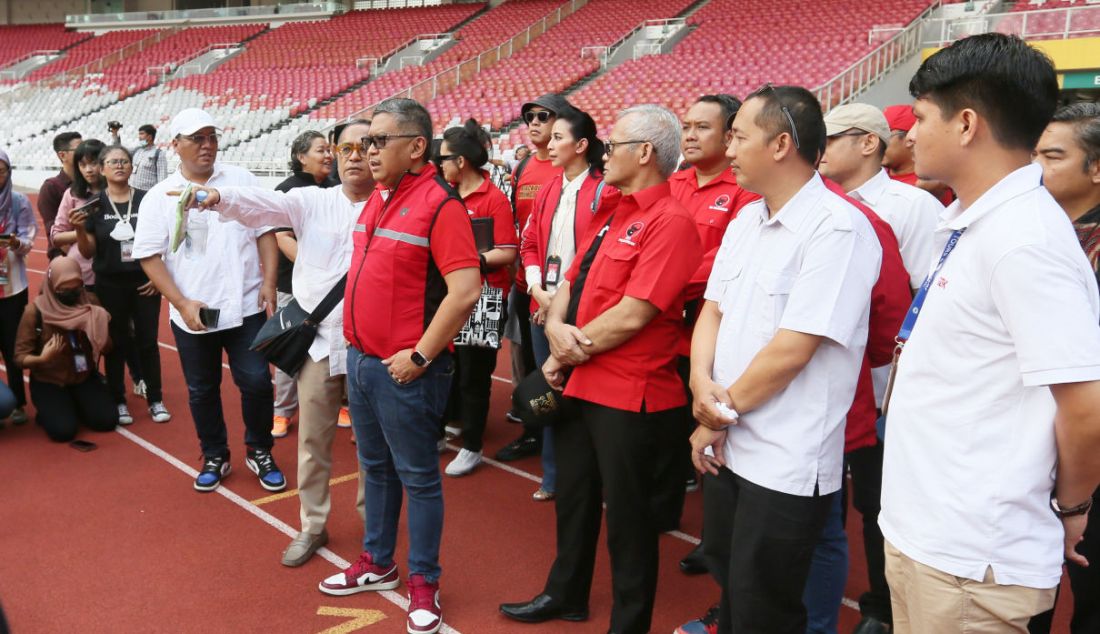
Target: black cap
(553,102)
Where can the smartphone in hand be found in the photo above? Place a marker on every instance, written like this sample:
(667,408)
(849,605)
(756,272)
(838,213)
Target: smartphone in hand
(209,317)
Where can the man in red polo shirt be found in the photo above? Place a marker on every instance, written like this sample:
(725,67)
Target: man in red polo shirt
(531,174)
(414,279)
(614,325)
(898,159)
(709,191)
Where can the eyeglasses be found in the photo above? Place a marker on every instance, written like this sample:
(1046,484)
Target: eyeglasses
(381,140)
(542,115)
(201,139)
(611,145)
(899,132)
(345,149)
(117,163)
(768,87)
(445,157)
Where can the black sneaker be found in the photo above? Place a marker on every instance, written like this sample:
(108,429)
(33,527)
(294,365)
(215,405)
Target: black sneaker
(214,468)
(261,463)
(520,448)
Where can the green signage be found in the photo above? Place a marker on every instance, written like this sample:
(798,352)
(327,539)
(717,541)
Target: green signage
(1086,79)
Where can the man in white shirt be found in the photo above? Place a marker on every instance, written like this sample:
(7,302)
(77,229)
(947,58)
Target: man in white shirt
(323,220)
(856,138)
(993,429)
(217,293)
(778,346)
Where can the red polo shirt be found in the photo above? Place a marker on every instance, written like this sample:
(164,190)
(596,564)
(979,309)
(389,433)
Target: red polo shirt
(910,178)
(535,175)
(713,206)
(890,299)
(650,252)
(404,243)
(487,201)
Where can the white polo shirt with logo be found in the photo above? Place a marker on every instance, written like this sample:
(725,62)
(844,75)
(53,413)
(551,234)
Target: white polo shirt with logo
(970,450)
(808,269)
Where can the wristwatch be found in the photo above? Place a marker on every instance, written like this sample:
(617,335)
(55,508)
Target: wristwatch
(1080,509)
(420,360)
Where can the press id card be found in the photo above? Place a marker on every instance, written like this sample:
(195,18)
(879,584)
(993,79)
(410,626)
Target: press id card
(126,248)
(553,271)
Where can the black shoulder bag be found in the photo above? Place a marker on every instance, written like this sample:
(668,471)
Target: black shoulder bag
(287,335)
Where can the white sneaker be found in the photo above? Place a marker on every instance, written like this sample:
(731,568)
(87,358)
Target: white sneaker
(124,417)
(464,463)
(452,431)
(159,412)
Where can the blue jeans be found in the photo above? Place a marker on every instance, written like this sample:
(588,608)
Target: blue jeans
(201,358)
(396,429)
(549,465)
(828,574)
(7,401)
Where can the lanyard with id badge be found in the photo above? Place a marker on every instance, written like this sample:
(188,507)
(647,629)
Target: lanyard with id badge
(123,233)
(80,360)
(912,315)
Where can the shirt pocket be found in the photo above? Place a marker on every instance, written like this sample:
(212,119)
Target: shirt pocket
(614,272)
(321,249)
(774,289)
(728,281)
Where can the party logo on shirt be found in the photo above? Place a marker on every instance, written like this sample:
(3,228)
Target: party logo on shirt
(722,203)
(404,212)
(942,283)
(631,231)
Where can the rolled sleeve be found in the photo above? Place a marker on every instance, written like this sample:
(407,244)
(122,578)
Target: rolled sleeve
(1052,346)
(152,233)
(831,295)
(668,259)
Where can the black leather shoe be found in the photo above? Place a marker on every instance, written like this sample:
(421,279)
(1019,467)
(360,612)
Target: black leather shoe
(520,448)
(540,609)
(871,625)
(693,563)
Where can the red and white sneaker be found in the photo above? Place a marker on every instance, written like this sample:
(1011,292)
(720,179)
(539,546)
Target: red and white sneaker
(425,615)
(361,576)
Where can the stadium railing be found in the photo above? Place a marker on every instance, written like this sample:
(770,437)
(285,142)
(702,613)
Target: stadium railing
(1038,24)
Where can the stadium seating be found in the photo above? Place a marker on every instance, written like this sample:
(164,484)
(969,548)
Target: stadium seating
(1036,21)
(19,41)
(90,51)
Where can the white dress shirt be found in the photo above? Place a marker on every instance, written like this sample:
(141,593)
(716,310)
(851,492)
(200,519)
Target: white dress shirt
(562,239)
(911,212)
(323,221)
(970,448)
(224,273)
(808,269)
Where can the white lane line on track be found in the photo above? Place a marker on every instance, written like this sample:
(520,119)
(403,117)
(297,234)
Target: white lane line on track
(269,519)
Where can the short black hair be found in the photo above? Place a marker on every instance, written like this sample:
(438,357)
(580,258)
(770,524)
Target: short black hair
(468,141)
(62,141)
(410,114)
(1001,77)
(148,129)
(728,103)
(1085,118)
(301,145)
(88,150)
(805,114)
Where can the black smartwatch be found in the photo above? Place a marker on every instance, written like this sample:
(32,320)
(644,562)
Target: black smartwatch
(420,360)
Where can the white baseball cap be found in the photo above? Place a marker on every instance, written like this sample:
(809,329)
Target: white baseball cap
(190,121)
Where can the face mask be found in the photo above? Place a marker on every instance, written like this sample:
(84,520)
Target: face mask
(68,298)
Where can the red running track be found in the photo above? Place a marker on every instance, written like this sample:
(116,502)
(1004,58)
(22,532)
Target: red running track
(116,540)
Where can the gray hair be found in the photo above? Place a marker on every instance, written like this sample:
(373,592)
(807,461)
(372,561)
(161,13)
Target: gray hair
(409,113)
(660,127)
(1085,118)
(301,145)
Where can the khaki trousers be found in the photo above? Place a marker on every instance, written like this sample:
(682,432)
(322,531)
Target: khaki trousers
(928,601)
(319,398)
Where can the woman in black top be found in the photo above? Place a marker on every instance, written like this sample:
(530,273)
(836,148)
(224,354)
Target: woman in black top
(106,236)
(311,162)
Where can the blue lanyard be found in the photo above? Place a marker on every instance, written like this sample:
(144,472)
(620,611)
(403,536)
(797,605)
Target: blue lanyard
(918,300)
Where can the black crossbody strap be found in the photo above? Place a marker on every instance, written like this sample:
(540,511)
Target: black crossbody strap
(335,294)
(582,274)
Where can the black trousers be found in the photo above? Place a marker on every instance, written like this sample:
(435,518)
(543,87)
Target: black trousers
(759,545)
(1085,583)
(865,465)
(60,410)
(670,492)
(475,382)
(617,456)
(11,312)
(125,305)
(527,349)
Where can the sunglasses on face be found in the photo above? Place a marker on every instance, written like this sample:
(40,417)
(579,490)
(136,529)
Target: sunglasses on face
(542,115)
(445,157)
(201,139)
(381,140)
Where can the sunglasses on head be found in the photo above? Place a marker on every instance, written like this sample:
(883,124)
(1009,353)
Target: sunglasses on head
(542,115)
